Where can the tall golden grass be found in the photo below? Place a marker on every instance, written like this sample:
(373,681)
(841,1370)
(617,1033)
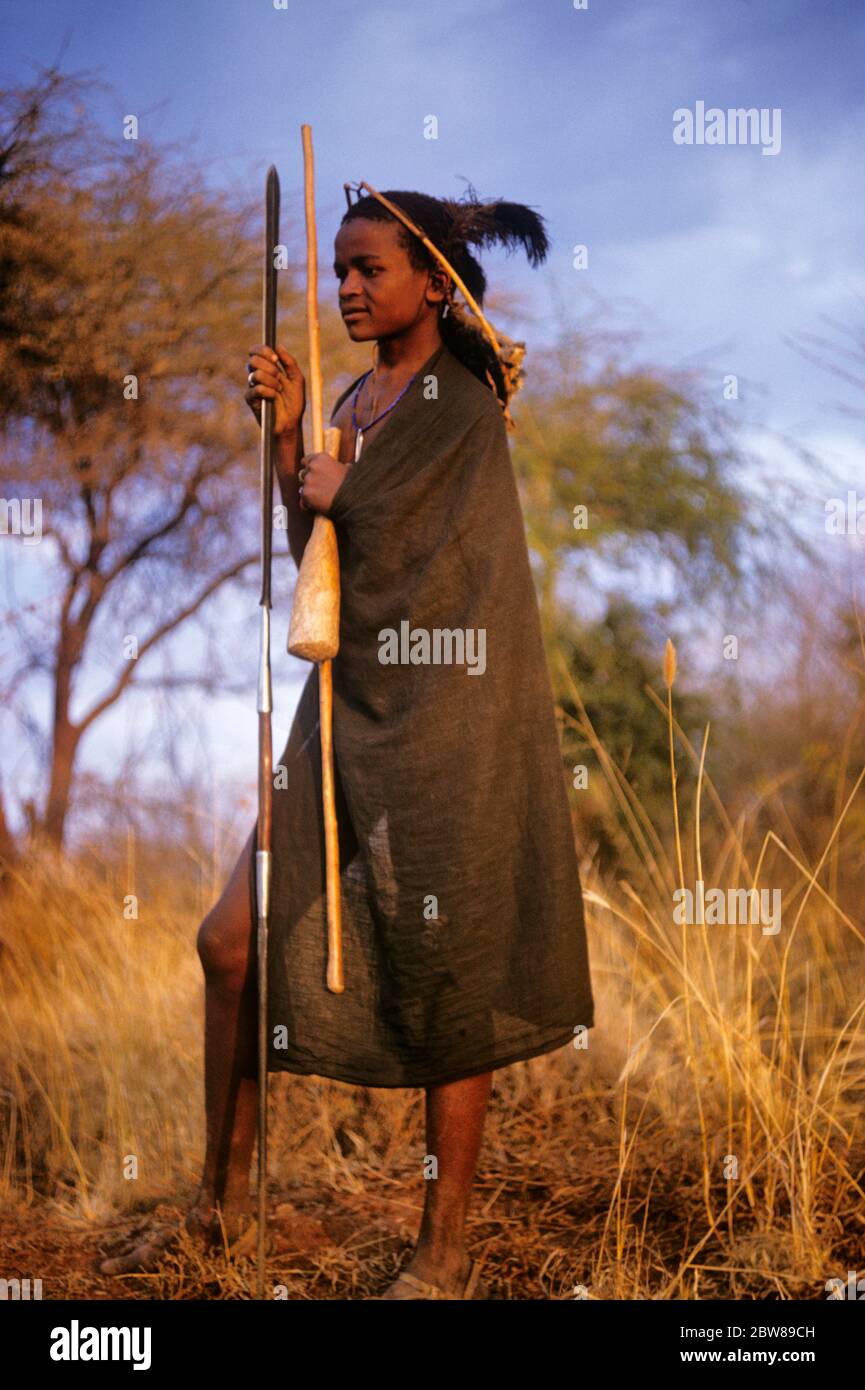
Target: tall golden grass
(707,1143)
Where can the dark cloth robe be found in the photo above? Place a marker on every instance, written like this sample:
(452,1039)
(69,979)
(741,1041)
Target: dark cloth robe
(463,931)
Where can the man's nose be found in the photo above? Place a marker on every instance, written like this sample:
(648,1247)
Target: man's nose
(351,286)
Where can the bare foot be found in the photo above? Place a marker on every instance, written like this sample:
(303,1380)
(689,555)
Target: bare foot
(201,1224)
(145,1250)
(448,1275)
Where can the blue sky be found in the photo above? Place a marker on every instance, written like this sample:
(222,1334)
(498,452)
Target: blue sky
(727,250)
(718,252)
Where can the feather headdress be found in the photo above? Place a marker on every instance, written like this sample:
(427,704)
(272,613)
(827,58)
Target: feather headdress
(475,223)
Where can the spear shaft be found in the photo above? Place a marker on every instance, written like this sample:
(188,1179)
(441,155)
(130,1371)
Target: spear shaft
(263,855)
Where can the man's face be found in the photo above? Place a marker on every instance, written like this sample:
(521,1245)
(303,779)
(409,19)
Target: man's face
(380,292)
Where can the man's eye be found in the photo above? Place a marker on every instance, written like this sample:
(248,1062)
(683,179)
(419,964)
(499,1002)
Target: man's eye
(372,270)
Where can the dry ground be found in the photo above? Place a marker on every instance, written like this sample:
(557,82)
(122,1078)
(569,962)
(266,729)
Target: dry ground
(542,1226)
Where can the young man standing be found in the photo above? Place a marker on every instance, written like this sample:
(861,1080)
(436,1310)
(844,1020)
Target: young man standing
(464,940)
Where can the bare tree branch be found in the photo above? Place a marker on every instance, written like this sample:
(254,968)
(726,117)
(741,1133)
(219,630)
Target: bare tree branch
(161,632)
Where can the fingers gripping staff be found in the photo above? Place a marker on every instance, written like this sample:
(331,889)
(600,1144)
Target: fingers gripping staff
(314,631)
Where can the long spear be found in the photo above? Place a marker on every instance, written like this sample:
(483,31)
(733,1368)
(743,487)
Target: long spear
(263,862)
(314,631)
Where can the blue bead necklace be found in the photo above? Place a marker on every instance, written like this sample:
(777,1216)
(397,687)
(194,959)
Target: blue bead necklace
(360,431)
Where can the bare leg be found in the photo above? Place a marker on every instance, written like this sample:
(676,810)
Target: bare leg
(455,1115)
(226,946)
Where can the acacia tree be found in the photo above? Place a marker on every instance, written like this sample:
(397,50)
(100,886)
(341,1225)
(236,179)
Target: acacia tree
(127,299)
(679,526)
(654,467)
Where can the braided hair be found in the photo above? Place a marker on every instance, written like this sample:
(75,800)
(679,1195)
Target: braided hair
(453,225)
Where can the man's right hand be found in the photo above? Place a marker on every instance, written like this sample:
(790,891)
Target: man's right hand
(286,387)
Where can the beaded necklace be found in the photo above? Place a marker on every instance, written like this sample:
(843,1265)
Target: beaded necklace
(360,431)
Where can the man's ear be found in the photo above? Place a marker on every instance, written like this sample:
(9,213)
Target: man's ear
(437,287)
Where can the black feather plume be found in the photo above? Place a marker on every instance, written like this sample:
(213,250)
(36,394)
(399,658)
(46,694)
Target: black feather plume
(511,225)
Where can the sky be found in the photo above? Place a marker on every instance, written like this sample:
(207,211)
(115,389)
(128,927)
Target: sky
(719,251)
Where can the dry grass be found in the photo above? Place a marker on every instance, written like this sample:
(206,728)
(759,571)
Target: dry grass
(708,1144)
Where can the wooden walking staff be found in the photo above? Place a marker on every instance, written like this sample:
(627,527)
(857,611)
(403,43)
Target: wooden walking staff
(265,706)
(314,631)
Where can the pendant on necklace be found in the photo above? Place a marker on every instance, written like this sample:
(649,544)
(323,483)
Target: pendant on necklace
(358,445)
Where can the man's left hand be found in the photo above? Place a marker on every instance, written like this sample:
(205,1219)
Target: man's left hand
(320,482)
